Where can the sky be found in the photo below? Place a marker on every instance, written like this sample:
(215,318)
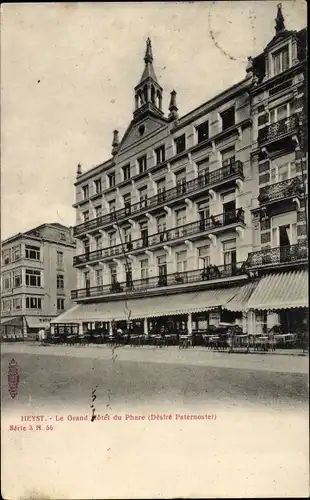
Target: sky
(67,76)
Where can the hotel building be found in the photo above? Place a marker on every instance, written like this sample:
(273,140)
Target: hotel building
(200,218)
(36,278)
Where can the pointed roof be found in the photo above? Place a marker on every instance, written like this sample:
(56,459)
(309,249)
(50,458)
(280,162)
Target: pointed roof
(280,26)
(148,59)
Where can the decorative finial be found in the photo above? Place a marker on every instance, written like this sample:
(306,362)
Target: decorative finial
(249,68)
(115,142)
(280,26)
(173,106)
(79,170)
(148,58)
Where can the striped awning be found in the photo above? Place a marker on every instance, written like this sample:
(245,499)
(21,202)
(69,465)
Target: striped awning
(286,290)
(240,300)
(168,305)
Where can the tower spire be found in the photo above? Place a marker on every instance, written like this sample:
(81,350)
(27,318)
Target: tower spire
(280,26)
(148,58)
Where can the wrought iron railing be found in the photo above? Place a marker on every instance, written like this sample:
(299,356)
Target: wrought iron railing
(137,286)
(278,255)
(182,190)
(212,223)
(281,190)
(278,129)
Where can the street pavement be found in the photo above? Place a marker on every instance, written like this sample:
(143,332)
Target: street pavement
(255,443)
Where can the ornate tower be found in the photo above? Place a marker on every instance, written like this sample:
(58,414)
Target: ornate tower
(148,92)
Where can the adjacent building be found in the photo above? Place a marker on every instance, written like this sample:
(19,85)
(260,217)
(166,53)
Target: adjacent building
(181,227)
(36,278)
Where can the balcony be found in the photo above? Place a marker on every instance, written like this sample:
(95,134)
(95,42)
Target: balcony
(225,176)
(137,287)
(269,257)
(211,225)
(278,130)
(284,190)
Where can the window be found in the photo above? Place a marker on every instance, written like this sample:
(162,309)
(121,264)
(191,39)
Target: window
(33,278)
(112,239)
(32,253)
(181,260)
(180,216)
(99,277)
(142,165)
(161,190)
(144,233)
(229,252)
(280,173)
(113,274)
(202,131)
(98,188)
(6,281)
(111,179)
(128,273)
(98,241)
(127,234)
(180,144)
(228,118)
(228,156)
(161,223)
(17,303)
(204,256)
(180,178)
(127,203)
(60,260)
(33,303)
(6,256)
(279,113)
(280,60)
(63,236)
(126,172)
(17,278)
(162,267)
(203,169)
(98,211)
(60,282)
(143,196)
(6,305)
(87,279)
(203,208)
(85,191)
(144,269)
(60,304)
(160,155)
(16,253)
(112,207)
(86,216)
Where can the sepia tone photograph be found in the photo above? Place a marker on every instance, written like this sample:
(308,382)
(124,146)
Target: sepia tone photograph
(154,250)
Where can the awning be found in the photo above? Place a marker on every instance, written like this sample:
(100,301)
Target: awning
(239,301)
(281,291)
(13,321)
(34,322)
(149,307)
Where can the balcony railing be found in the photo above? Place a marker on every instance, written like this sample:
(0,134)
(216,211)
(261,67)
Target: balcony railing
(278,129)
(212,223)
(137,286)
(278,255)
(281,190)
(182,190)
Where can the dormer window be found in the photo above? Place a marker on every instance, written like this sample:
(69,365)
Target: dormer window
(180,144)
(202,131)
(280,60)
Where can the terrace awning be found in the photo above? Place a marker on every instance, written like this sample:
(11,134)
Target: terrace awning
(149,307)
(286,290)
(240,300)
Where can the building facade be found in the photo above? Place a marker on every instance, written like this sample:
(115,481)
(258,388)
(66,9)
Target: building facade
(181,224)
(36,278)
